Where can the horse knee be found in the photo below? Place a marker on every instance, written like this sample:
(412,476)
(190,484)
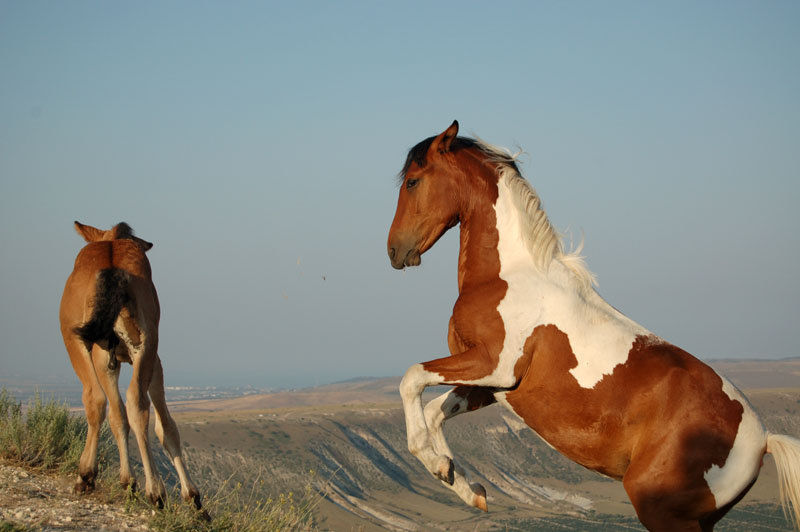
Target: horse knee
(412,383)
(137,400)
(94,404)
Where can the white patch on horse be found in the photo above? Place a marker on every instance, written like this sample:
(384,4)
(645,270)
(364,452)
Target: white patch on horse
(744,459)
(555,293)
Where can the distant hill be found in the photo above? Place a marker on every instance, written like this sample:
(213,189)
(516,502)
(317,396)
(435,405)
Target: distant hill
(752,373)
(355,391)
(745,374)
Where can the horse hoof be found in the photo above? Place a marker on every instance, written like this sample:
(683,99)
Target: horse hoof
(446,470)
(128,484)
(85,484)
(479,501)
(82,487)
(195,498)
(156,500)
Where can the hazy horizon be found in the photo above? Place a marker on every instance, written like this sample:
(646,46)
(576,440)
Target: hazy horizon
(257,144)
(49,383)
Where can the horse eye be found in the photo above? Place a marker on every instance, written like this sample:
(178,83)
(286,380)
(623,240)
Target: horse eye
(411,183)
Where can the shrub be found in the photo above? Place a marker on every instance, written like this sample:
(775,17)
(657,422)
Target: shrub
(242,507)
(44,435)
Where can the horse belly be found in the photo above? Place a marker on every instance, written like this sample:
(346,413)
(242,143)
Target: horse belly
(596,442)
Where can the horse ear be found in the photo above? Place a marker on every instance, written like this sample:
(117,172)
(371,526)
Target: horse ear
(89,233)
(445,139)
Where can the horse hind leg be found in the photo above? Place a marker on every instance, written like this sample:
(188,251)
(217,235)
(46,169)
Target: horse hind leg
(707,523)
(117,416)
(94,403)
(662,501)
(168,435)
(138,406)
(457,401)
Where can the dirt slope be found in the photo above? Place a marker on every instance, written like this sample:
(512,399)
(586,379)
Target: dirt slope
(45,502)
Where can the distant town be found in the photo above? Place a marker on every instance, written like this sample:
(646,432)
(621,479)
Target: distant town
(70,392)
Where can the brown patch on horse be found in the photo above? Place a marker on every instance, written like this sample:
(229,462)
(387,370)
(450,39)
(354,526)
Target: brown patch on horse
(523,364)
(663,411)
(476,333)
(475,396)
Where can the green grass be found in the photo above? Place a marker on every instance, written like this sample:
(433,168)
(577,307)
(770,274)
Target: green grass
(46,436)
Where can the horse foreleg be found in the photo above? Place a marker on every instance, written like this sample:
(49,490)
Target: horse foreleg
(457,401)
(470,365)
(414,382)
(168,435)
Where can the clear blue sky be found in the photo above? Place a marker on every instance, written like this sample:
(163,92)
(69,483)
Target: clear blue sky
(256,145)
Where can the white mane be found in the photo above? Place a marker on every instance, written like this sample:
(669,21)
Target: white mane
(543,242)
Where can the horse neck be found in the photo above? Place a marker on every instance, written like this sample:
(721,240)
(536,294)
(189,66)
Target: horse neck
(477,256)
(494,240)
(478,259)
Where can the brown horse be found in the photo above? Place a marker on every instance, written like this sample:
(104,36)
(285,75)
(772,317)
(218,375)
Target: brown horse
(109,314)
(529,330)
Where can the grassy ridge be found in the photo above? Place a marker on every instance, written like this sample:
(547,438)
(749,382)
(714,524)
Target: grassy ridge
(46,436)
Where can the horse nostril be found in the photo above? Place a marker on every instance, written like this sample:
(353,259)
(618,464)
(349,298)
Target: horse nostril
(392,253)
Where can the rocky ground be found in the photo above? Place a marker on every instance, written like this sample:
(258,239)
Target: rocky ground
(38,501)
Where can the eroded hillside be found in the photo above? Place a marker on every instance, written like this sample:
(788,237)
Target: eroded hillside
(357,451)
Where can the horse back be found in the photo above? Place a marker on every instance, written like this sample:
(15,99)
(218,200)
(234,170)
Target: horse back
(122,254)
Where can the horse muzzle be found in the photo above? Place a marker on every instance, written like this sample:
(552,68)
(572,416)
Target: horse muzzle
(401,258)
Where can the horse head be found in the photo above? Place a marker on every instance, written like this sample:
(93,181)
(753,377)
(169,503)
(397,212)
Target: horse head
(119,231)
(429,203)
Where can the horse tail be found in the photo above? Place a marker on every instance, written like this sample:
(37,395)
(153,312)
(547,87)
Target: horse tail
(786,451)
(111,294)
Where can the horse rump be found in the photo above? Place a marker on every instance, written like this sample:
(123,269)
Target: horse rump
(111,294)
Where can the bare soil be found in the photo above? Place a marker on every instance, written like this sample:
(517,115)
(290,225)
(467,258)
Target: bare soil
(32,500)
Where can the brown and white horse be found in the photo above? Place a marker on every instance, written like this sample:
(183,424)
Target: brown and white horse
(109,314)
(529,331)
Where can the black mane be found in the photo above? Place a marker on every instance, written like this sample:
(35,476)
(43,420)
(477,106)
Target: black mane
(124,230)
(419,153)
